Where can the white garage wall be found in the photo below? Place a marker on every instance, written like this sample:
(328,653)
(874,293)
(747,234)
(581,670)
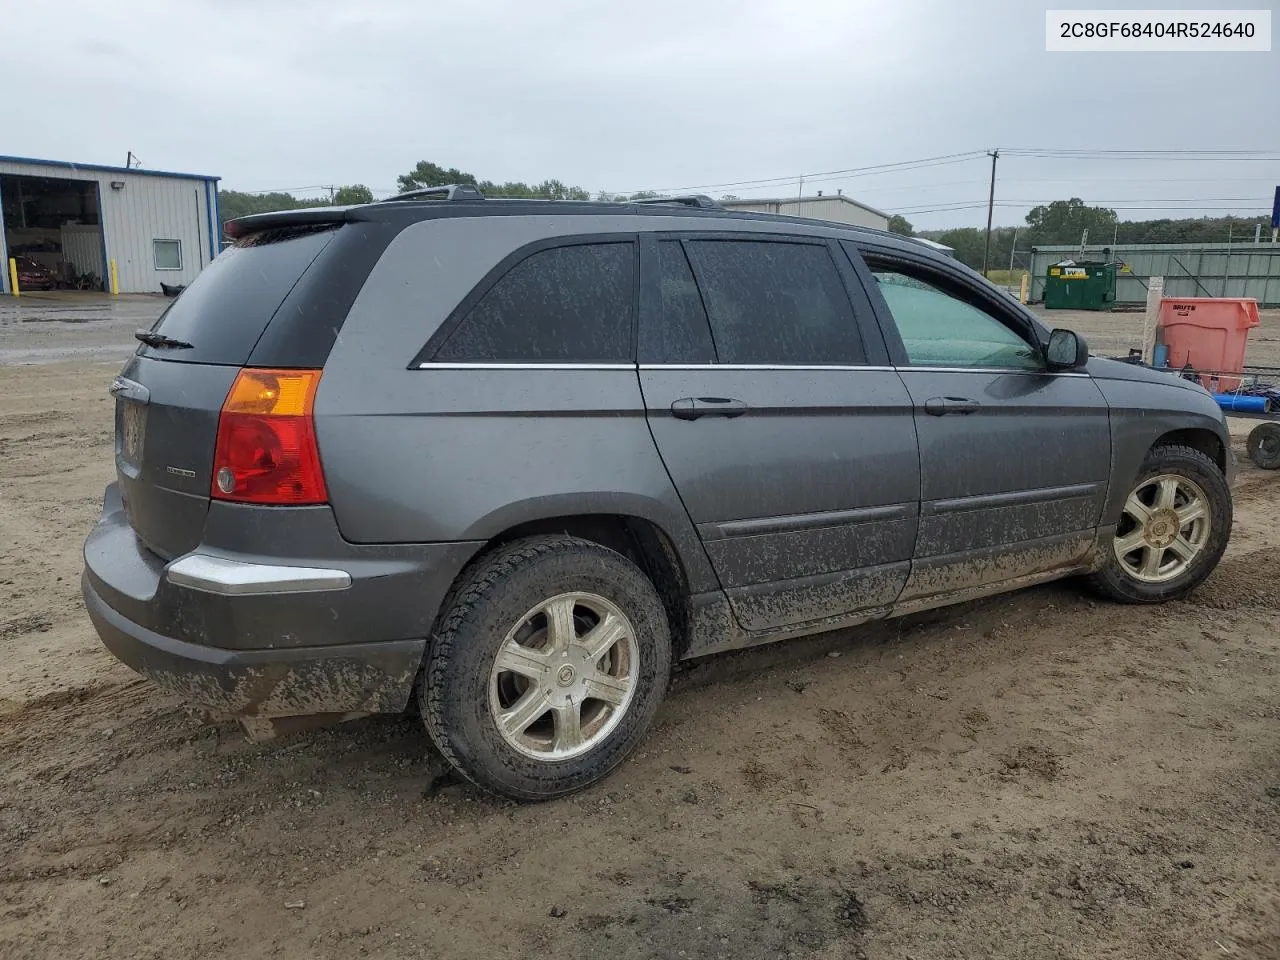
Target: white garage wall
(149,206)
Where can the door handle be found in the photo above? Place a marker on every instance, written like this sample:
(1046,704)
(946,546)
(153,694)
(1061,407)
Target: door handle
(941,406)
(693,408)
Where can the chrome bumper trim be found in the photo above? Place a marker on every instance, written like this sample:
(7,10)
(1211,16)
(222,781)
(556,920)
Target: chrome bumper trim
(235,578)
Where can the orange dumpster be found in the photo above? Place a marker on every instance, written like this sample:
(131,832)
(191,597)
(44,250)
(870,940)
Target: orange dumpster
(1209,334)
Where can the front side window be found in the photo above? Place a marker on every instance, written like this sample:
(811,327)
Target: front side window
(167,254)
(940,330)
(569,304)
(772,302)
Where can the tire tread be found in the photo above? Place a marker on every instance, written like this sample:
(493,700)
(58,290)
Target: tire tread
(1113,585)
(474,588)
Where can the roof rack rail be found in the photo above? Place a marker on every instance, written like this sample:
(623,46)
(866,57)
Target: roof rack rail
(451,191)
(700,200)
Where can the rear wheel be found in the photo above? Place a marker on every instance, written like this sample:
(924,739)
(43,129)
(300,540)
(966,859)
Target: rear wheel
(548,667)
(1173,529)
(1264,445)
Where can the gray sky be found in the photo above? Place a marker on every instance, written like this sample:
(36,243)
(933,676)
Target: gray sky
(624,96)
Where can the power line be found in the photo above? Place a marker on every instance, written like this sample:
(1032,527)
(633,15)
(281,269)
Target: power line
(1179,151)
(314,186)
(1186,155)
(1206,204)
(762,182)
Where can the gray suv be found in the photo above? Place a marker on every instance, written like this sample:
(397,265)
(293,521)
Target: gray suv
(505,461)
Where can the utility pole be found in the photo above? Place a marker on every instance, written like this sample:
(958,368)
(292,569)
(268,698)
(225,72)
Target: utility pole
(1012,250)
(332,194)
(991,206)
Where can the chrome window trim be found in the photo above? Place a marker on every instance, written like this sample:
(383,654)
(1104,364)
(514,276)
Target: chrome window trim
(464,365)
(761,366)
(479,365)
(1003,370)
(853,367)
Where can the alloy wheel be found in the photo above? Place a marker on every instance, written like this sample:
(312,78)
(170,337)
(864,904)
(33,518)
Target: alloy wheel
(564,676)
(1164,527)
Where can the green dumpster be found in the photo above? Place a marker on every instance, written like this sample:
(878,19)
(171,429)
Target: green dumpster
(1080,286)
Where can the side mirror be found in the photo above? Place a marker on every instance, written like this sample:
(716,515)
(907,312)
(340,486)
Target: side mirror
(1067,350)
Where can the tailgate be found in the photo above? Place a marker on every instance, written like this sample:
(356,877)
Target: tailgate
(166,425)
(170,395)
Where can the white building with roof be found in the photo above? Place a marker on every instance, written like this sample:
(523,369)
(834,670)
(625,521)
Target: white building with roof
(835,207)
(76,218)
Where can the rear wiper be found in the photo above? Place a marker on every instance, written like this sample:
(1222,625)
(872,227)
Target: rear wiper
(153,339)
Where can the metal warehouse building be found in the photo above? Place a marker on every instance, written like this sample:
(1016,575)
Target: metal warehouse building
(75,219)
(835,207)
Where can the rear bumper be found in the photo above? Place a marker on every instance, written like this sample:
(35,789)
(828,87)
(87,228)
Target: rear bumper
(318,626)
(373,677)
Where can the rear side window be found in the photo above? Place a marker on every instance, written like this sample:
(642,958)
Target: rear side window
(569,304)
(775,303)
(225,309)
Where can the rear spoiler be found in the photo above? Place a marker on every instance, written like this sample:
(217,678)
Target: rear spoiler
(308,217)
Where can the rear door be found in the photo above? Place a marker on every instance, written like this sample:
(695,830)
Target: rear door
(1014,458)
(788,437)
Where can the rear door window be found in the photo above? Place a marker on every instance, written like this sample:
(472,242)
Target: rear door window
(225,309)
(568,304)
(774,302)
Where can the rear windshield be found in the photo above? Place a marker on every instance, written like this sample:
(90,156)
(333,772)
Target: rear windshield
(224,311)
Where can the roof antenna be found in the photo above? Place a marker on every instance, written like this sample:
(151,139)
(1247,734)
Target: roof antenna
(131,161)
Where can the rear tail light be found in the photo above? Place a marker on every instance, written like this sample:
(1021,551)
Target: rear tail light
(266,450)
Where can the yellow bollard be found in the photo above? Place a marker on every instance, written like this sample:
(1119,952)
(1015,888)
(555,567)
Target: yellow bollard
(1025,291)
(13,277)
(115,279)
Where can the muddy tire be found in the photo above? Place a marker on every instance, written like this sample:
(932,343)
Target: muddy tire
(547,668)
(1264,445)
(1174,527)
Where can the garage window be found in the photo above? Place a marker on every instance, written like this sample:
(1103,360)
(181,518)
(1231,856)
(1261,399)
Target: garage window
(167,253)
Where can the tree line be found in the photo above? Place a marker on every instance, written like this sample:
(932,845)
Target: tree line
(1064,222)
(1060,222)
(425,174)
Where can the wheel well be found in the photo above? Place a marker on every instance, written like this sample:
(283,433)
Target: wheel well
(642,542)
(1206,441)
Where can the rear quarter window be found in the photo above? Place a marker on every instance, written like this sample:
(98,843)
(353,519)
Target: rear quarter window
(228,306)
(568,304)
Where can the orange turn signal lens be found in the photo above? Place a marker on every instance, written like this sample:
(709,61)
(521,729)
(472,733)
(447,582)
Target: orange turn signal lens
(266,451)
(281,393)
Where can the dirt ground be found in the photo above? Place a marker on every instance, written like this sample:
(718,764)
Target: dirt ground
(1036,775)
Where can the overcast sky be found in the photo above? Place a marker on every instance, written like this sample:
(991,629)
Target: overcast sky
(272,94)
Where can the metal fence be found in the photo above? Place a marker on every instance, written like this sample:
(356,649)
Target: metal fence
(1189,270)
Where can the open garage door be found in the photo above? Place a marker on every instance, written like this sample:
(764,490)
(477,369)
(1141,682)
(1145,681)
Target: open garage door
(53,229)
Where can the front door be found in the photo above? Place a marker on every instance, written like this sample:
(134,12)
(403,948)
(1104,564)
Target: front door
(788,436)
(1014,458)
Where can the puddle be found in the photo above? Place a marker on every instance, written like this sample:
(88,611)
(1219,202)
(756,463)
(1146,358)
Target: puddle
(61,319)
(27,355)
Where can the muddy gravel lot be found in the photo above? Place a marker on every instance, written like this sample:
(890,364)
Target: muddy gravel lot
(1036,775)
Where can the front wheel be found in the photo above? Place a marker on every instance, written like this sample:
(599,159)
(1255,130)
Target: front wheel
(1173,529)
(548,667)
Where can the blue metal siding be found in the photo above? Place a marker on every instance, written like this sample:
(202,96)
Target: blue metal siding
(4,255)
